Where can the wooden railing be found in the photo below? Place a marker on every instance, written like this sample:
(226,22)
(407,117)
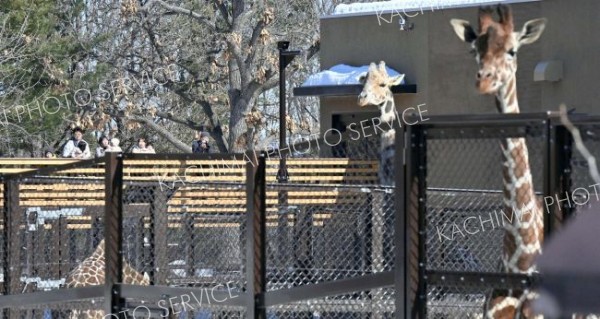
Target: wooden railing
(84,187)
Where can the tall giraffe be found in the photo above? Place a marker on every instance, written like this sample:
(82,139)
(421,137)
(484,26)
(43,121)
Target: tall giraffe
(377,91)
(91,272)
(495,47)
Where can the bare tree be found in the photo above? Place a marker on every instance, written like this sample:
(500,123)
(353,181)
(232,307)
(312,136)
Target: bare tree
(165,68)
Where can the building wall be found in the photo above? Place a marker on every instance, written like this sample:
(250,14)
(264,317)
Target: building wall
(572,38)
(440,64)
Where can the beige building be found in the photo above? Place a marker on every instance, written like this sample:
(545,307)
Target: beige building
(440,66)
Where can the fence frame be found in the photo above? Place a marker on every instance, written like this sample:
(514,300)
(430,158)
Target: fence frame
(556,180)
(409,277)
(113,291)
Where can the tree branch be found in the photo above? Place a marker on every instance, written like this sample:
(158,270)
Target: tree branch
(579,144)
(182,11)
(162,131)
(221,6)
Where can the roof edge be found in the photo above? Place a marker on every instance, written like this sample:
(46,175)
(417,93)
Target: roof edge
(423,9)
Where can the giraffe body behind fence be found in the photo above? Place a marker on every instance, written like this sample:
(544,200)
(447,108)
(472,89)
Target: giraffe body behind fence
(495,47)
(91,272)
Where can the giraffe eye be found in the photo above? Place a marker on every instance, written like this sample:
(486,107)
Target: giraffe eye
(382,85)
(512,52)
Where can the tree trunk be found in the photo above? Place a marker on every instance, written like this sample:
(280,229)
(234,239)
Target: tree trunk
(238,139)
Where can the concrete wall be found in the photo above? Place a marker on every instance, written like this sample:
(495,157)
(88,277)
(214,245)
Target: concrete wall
(440,64)
(572,37)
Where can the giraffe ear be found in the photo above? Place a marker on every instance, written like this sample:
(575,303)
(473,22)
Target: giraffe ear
(396,80)
(532,30)
(463,30)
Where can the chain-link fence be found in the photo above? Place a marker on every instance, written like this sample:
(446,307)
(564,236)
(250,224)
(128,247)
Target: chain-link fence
(184,221)
(52,223)
(323,236)
(377,303)
(330,220)
(186,250)
(457,165)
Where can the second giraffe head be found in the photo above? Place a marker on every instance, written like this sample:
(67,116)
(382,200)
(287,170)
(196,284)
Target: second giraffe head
(496,44)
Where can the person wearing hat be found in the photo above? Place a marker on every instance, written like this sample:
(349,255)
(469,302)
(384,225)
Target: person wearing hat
(76,147)
(200,144)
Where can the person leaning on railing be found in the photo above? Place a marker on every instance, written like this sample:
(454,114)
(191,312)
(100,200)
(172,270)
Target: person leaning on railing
(143,147)
(114,145)
(103,146)
(200,144)
(76,147)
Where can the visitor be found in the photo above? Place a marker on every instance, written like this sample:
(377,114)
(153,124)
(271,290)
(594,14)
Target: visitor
(76,147)
(200,144)
(114,145)
(103,146)
(143,147)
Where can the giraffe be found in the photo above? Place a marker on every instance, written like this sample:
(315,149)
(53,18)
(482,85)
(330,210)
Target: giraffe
(377,91)
(495,47)
(91,272)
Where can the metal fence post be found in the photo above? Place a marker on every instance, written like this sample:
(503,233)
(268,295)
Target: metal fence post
(400,239)
(414,223)
(11,242)
(256,237)
(113,234)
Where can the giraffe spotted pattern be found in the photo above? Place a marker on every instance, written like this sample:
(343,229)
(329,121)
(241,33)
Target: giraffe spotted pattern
(495,46)
(91,272)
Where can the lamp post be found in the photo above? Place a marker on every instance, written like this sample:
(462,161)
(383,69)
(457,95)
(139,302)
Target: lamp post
(285,57)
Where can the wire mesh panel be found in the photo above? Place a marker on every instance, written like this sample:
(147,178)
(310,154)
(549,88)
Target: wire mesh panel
(331,218)
(83,308)
(326,233)
(377,303)
(198,305)
(184,220)
(465,231)
(456,301)
(465,207)
(51,234)
(471,157)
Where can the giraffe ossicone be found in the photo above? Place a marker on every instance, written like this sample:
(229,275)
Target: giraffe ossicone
(495,46)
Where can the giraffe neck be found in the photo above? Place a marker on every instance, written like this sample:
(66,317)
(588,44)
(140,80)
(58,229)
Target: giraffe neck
(99,252)
(388,116)
(524,231)
(388,109)
(506,98)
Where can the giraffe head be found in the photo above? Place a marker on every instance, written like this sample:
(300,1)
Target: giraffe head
(376,90)
(496,44)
